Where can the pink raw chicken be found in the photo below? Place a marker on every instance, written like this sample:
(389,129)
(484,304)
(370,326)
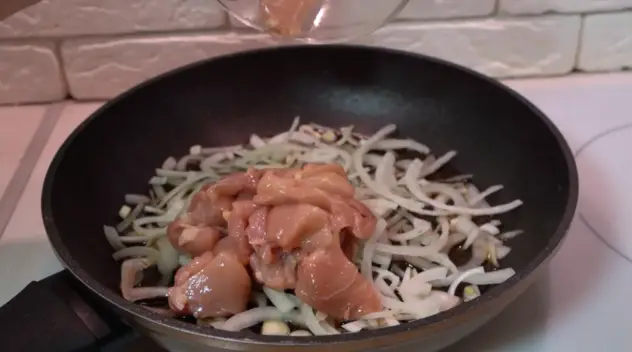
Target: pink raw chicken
(211,286)
(330,283)
(296,228)
(198,230)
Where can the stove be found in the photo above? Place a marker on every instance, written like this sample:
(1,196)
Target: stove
(579,305)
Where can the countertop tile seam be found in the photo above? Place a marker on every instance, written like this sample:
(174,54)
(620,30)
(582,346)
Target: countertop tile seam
(9,200)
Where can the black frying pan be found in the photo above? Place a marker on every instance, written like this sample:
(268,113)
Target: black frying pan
(501,139)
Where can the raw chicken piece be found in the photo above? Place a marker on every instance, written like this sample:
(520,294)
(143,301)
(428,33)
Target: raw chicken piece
(203,210)
(194,266)
(353,215)
(229,245)
(280,274)
(221,287)
(290,17)
(289,226)
(209,204)
(321,186)
(238,226)
(193,240)
(330,283)
(277,190)
(256,230)
(197,231)
(310,170)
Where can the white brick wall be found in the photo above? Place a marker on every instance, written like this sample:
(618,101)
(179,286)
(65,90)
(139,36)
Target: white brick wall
(29,73)
(561,6)
(67,18)
(497,47)
(95,49)
(103,68)
(607,42)
(430,9)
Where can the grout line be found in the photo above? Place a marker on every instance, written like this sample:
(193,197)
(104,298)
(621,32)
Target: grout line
(19,180)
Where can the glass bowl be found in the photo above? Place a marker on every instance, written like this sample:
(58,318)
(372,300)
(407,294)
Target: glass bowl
(314,21)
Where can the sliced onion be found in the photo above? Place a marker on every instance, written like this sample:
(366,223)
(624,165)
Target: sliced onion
(256,141)
(420,227)
(124,211)
(510,234)
(412,174)
(383,260)
(135,199)
(307,315)
(125,224)
(393,144)
(169,163)
(502,251)
(490,278)
(369,248)
(445,190)
(213,161)
(280,300)
(385,274)
(430,168)
(167,261)
(376,187)
(476,200)
(463,276)
(184,162)
(355,326)
(490,229)
(384,288)
(137,251)
(444,300)
(385,171)
(414,251)
(379,206)
(320,316)
(113,237)
(260,299)
(439,273)
(346,135)
(420,263)
(131,270)
(258,315)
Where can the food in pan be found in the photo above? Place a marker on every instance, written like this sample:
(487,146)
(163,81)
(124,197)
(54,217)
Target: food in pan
(314,231)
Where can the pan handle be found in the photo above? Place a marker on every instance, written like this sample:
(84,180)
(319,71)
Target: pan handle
(58,314)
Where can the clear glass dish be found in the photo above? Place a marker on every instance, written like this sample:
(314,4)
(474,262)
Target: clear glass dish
(322,21)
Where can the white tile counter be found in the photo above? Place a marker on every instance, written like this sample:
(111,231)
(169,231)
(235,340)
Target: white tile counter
(25,253)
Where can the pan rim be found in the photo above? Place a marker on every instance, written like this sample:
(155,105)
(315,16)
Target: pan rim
(377,337)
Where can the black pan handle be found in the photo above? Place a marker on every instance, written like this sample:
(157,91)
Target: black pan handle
(59,314)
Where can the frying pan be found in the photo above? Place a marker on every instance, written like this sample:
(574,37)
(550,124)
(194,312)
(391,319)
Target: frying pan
(501,139)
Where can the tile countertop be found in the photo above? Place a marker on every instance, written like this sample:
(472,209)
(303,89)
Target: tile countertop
(577,307)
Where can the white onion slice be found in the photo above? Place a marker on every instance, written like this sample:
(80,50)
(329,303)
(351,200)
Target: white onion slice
(136,251)
(258,315)
(463,276)
(413,173)
(355,326)
(307,315)
(280,300)
(113,237)
(369,248)
(476,200)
